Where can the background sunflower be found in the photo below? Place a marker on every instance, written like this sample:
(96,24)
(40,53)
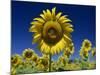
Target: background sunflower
(86,47)
(16,60)
(28,54)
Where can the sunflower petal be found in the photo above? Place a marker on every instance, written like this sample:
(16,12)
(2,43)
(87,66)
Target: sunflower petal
(64,21)
(36,38)
(42,16)
(33,29)
(40,20)
(44,12)
(42,47)
(53,49)
(36,23)
(69,29)
(58,48)
(40,43)
(49,14)
(62,18)
(58,15)
(47,49)
(67,37)
(53,11)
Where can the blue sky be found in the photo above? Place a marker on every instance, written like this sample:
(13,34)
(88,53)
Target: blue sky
(83,20)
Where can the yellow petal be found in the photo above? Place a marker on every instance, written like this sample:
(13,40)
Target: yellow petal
(67,37)
(46,48)
(33,29)
(53,50)
(58,15)
(44,12)
(49,14)
(40,20)
(66,25)
(43,16)
(64,21)
(53,11)
(68,29)
(62,18)
(58,48)
(36,38)
(41,43)
(42,47)
(36,23)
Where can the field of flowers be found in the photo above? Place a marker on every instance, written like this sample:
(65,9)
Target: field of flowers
(30,62)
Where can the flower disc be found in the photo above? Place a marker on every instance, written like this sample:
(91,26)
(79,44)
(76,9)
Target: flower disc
(52,32)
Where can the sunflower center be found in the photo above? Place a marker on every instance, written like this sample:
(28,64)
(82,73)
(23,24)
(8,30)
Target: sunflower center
(52,32)
(15,61)
(86,45)
(28,54)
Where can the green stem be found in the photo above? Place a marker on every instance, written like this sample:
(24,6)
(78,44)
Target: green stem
(49,62)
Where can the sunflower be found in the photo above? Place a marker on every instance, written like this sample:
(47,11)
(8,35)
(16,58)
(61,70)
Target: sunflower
(94,51)
(28,54)
(86,44)
(62,61)
(84,53)
(13,71)
(51,31)
(44,61)
(35,58)
(54,66)
(16,60)
(45,56)
(86,47)
(40,67)
(69,50)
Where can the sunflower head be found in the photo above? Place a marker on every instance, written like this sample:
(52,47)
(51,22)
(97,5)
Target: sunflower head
(28,54)
(35,58)
(13,71)
(40,67)
(86,44)
(84,54)
(45,56)
(94,51)
(16,60)
(51,31)
(44,61)
(69,50)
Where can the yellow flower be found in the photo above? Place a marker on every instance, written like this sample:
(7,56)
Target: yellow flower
(86,44)
(40,67)
(84,53)
(51,31)
(13,71)
(44,61)
(94,51)
(86,47)
(45,56)
(28,54)
(16,60)
(69,50)
(35,58)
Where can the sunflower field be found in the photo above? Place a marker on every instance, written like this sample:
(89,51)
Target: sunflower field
(52,32)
